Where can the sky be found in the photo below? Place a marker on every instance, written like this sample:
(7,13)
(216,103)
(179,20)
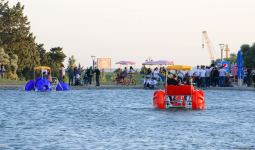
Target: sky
(139,29)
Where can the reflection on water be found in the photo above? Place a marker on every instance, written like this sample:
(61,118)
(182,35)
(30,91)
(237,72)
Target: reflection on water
(123,119)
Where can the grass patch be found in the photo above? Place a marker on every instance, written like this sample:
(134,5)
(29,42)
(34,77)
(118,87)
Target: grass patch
(11,82)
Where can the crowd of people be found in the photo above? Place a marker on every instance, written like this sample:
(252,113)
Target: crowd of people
(125,76)
(154,77)
(80,76)
(202,76)
(206,76)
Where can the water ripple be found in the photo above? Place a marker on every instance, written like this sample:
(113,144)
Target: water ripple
(123,119)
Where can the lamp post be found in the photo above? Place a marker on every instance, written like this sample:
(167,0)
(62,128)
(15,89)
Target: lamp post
(93,61)
(221,54)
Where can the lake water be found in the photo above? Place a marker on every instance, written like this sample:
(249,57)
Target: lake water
(123,119)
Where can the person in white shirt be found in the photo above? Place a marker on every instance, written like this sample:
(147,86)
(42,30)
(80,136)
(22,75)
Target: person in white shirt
(202,76)
(222,74)
(156,72)
(62,72)
(196,76)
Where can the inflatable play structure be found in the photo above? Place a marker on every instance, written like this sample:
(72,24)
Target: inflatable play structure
(43,83)
(179,96)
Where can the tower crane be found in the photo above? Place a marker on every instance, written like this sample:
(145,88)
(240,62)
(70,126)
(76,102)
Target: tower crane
(206,41)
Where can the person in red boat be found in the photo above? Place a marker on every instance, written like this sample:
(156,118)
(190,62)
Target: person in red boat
(172,81)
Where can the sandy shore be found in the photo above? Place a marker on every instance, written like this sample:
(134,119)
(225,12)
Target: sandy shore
(92,87)
(13,87)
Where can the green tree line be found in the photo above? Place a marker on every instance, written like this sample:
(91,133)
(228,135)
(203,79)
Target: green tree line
(19,51)
(248,55)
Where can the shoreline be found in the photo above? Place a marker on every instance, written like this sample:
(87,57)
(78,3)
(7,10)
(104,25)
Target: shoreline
(109,87)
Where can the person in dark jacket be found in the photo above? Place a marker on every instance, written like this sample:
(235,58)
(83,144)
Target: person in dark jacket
(249,77)
(172,81)
(215,76)
(90,75)
(70,75)
(97,72)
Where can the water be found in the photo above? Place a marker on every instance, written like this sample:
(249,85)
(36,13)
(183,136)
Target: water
(123,119)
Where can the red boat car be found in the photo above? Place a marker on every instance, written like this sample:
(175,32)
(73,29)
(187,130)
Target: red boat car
(179,96)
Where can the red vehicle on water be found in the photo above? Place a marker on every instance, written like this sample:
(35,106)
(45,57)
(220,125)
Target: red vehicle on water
(179,96)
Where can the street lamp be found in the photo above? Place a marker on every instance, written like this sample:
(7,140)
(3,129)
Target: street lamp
(221,54)
(93,61)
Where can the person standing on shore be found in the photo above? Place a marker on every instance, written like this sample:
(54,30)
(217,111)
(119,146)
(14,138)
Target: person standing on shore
(222,74)
(97,71)
(253,76)
(124,74)
(207,77)
(202,76)
(70,75)
(215,76)
(62,73)
(249,77)
(196,76)
(2,71)
(90,74)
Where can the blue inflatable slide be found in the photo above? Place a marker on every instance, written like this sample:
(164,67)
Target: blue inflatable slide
(43,85)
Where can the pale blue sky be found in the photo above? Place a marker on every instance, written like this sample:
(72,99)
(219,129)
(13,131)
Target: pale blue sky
(138,29)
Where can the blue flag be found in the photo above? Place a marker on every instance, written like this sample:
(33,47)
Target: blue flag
(239,60)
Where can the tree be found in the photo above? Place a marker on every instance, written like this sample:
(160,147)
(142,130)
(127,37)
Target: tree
(10,63)
(13,67)
(57,55)
(16,37)
(71,61)
(19,43)
(44,55)
(4,58)
(232,58)
(57,58)
(248,55)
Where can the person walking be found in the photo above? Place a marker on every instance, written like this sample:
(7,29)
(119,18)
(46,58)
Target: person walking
(97,72)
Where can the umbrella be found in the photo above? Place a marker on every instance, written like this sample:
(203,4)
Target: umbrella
(159,62)
(164,62)
(126,63)
(239,60)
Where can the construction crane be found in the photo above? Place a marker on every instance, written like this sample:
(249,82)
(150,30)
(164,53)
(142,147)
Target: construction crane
(206,41)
